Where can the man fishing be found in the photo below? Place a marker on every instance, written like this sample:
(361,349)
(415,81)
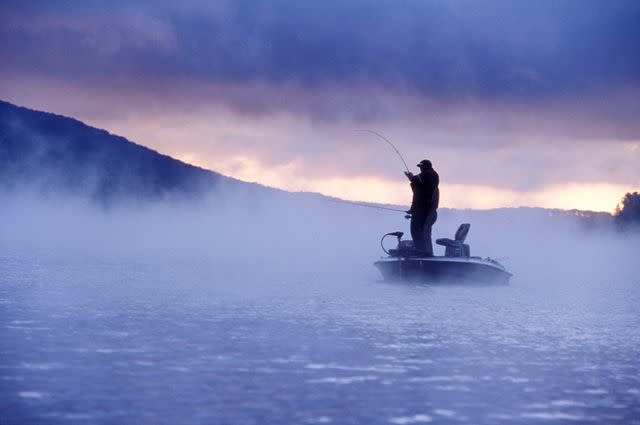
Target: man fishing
(424,205)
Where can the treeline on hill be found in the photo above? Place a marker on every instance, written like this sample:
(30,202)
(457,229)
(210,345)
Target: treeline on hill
(627,214)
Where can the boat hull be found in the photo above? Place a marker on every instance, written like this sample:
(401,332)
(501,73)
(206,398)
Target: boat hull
(443,270)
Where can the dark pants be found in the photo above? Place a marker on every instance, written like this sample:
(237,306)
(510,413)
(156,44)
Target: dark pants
(421,224)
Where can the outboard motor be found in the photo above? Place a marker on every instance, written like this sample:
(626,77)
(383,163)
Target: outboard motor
(457,247)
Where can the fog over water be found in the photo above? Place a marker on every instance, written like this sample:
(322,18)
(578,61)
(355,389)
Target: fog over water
(261,309)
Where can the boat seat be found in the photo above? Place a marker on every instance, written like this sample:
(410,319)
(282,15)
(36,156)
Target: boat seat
(456,247)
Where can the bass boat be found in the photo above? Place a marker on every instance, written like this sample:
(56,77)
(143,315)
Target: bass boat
(456,266)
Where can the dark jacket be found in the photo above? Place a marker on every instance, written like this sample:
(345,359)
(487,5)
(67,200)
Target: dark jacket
(424,187)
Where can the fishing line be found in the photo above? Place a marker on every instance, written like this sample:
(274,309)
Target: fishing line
(360,204)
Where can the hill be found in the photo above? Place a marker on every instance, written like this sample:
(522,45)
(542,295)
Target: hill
(58,155)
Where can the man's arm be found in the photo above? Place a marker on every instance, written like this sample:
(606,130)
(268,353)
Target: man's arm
(412,177)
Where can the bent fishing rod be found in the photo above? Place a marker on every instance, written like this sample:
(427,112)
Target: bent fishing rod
(390,144)
(360,204)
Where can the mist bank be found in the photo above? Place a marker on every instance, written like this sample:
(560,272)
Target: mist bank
(259,241)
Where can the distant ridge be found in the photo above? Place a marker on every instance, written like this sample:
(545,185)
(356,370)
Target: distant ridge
(55,154)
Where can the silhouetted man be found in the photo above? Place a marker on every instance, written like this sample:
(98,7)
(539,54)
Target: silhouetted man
(426,197)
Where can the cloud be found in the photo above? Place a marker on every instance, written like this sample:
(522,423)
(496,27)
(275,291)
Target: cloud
(335,60)
(516,96)
(487,49)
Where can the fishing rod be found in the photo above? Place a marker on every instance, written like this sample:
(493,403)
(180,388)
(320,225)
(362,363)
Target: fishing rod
(360,204)
(390,144)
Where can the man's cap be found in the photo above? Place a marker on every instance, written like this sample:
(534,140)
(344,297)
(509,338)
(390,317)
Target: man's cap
(424,163)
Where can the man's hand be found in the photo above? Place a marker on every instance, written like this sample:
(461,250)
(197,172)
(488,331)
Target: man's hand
(409,174)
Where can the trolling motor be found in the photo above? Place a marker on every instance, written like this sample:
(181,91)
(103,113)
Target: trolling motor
(396,234)
(403,249)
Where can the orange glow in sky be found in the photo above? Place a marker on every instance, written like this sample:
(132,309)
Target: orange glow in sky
(582,196)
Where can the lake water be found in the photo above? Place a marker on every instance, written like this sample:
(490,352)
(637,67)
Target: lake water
(195,342)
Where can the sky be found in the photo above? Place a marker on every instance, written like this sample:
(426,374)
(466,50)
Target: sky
(516,103)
